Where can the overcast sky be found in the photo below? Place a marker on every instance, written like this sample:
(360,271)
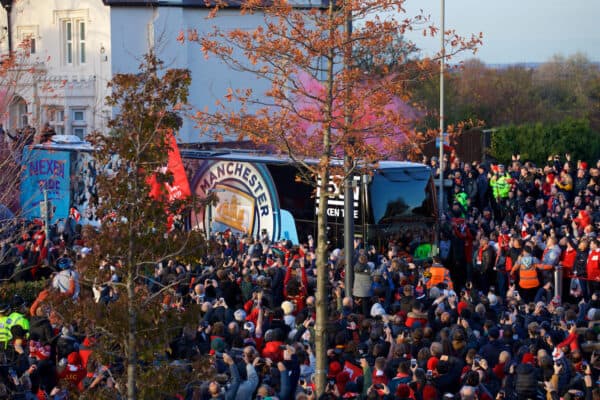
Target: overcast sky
(518,31)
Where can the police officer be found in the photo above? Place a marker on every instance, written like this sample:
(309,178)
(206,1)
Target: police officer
(5,334)
(17,317)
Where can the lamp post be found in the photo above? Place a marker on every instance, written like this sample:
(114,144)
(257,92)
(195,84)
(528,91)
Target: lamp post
(442,62)
(348,163)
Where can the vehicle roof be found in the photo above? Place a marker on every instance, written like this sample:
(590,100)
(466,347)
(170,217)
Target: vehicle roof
(252,156)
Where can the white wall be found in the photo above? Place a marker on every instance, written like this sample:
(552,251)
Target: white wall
(210,77)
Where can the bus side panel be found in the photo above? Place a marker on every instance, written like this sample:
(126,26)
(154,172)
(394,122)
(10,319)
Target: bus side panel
(45,171)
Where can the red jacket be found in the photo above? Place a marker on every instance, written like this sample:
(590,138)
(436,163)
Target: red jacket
(593,265)
(300,298)
(567,260)
(273,351)
(570,342)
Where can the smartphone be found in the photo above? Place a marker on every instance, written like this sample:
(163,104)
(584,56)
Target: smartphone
(413,363)
(515,293)
(429,374)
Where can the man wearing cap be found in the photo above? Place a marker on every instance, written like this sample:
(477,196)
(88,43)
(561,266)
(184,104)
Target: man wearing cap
(67,280)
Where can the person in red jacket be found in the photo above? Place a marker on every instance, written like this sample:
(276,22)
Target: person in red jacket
(71,372)
(593,267)
(294,286)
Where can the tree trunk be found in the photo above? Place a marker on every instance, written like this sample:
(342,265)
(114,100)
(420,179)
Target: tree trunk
(131,310)
(322,275)
(131,342)
(321,295)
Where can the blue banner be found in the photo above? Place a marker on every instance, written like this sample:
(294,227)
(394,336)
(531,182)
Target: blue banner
(45,170)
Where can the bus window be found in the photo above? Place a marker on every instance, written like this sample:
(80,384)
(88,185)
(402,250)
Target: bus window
(400,195)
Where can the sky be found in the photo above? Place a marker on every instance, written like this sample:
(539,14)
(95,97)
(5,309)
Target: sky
(517,31)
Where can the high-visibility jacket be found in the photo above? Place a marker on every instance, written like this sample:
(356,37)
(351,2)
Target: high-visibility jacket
(528,277)
(439,274)
(500,185)
(423,251)
(17,319)
(5,334)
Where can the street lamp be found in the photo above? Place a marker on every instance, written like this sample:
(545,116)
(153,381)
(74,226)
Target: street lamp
(442,61)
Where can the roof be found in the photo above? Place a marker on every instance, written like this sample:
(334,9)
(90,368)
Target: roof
(195,3)
(257,157)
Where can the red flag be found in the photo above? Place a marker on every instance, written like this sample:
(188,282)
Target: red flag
(353,371)
(180,188)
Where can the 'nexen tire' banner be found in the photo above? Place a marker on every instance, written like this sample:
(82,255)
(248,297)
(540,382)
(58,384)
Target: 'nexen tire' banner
(45,170)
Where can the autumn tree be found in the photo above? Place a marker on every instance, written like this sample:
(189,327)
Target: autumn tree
(19,72)
(137,231)
(319,104)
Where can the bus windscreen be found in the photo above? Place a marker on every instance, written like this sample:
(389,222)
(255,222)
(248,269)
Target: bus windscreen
(400,195)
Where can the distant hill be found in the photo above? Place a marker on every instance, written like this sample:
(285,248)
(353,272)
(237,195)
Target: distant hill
(532,65)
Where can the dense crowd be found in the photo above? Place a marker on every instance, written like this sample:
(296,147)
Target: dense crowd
(510,308)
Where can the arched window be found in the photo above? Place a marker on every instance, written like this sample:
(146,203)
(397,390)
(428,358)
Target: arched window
(18,115)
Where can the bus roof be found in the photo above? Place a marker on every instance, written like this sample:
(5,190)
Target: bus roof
(256,157)
(65,142)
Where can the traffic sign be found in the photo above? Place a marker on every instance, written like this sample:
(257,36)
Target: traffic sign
(446,140)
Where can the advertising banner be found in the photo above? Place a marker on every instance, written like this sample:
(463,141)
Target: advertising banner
(45,170)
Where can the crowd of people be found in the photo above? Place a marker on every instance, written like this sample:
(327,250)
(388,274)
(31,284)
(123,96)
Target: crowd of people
(508,308)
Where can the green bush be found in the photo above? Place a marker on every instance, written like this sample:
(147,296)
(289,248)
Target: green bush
(536,142)
(27,290)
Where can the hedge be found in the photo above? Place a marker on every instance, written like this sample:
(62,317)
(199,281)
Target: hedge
(27,290)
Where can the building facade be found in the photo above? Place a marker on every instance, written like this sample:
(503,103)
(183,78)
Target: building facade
(64,69)
(157,25)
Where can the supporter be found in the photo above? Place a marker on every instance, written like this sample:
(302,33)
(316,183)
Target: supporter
(488,320)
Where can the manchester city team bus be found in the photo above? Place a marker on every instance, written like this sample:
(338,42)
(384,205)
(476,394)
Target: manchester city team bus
(256,193)
(259,193)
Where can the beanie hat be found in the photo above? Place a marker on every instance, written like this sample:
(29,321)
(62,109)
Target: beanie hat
(403,390)
(239,315)
(334,369)
(461,306)
(528,359)
(434,292)
(249,326)
(593,314)
(73,358)
(287,307)
(217,345)
(377,310)
(432,363)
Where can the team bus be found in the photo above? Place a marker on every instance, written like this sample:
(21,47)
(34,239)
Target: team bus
(257,194)
(261,193)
